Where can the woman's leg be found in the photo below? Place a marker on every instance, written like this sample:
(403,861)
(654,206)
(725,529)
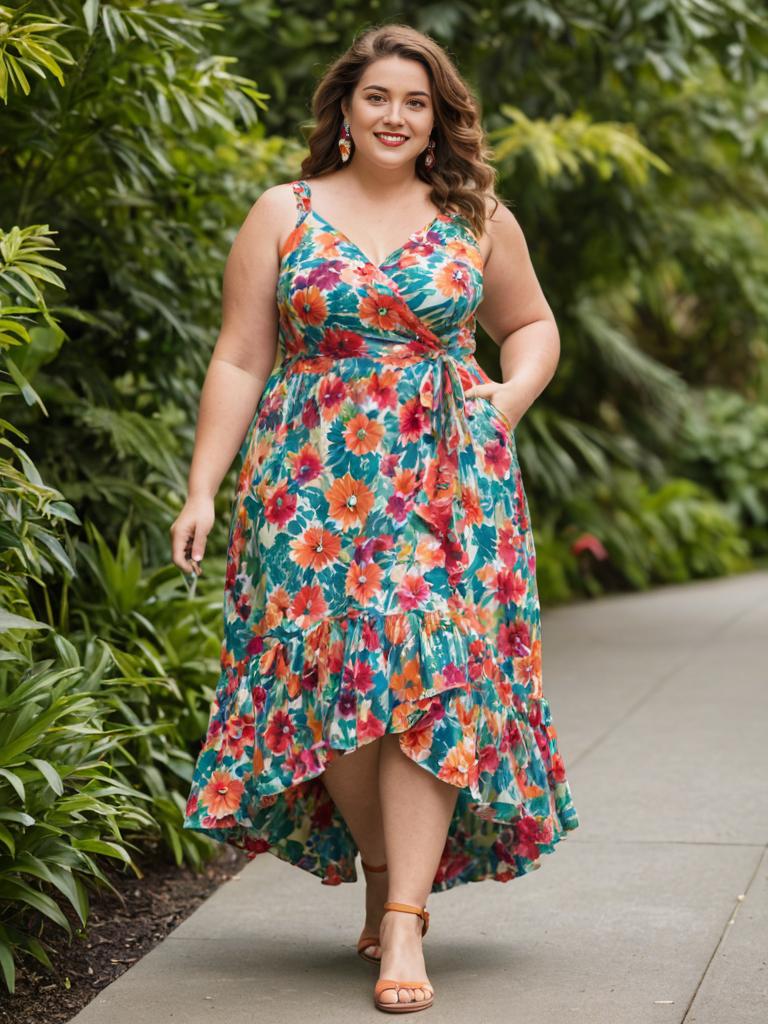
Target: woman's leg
(416,809)
(352,782)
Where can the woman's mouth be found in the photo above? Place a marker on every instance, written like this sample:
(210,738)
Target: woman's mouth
(391,139)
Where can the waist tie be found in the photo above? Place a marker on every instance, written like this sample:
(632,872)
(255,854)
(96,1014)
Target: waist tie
(448,475)
(449,484)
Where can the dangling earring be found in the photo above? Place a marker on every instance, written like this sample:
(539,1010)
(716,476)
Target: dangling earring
(345,142)
(429,159)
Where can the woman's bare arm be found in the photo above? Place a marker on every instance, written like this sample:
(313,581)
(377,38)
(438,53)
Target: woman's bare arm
(516,314)
(241,362)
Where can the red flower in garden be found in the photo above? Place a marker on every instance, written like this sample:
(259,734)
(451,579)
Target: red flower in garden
(589,542)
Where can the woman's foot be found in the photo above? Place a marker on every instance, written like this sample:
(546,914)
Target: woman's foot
(375,895)
(402,956)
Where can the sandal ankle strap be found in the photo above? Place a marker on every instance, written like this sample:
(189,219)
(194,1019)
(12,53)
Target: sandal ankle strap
(409,908)
(371,867)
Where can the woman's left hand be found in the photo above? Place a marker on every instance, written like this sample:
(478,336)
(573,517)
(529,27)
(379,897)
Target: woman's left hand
(506,396)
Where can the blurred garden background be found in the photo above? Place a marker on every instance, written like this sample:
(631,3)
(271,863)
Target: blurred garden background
(630,140)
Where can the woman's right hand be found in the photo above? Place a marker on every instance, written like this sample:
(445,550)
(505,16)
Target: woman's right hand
(189,532)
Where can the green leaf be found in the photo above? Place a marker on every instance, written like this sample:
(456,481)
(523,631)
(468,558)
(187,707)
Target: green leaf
(6,836)
(28,393)
(15,781)
(91,15)
(49,773)
(20,817)
(10,621)
(102,846)
(21,892)
(6,958)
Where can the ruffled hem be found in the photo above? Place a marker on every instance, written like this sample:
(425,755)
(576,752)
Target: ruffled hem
(307,696)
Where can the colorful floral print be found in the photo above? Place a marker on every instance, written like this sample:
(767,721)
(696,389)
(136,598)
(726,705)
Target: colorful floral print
(381,571)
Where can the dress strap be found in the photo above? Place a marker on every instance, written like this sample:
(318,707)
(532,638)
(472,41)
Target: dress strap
(303,199)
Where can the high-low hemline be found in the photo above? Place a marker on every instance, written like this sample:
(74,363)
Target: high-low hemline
(500,743)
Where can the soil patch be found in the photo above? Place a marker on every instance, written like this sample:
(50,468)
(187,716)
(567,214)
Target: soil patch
(119,931)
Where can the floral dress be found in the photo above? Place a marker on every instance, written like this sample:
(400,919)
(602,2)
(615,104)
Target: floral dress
(380,571)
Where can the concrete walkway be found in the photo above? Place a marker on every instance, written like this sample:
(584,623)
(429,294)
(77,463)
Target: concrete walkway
(654,910)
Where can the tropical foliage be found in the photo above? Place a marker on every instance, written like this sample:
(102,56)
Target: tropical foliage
(630,140)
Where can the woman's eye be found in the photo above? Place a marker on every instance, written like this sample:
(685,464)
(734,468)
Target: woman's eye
(375,97)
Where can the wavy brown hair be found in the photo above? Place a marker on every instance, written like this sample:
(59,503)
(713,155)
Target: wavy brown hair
(461,177)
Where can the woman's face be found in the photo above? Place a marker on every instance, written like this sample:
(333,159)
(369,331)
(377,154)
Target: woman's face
(393,97)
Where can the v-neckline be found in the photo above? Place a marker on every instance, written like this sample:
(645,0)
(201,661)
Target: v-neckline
(345,238)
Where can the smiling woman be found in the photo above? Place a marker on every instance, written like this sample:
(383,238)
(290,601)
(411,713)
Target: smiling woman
(380,688)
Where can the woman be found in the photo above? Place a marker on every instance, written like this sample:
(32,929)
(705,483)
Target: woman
(380,685)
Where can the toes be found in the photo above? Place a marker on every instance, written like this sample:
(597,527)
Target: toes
(405,995)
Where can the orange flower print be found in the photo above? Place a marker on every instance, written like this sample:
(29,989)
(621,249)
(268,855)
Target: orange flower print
(277,605)
(308,607)
(457,767)
(453,280)
(382,389)
(349,501)
(273,661)
(470,503)
(315,548)
(379,310)
(528,671)
(310,305)
(406,481)
(407,685)
(327,243)
(430,553)
(417,743)
(223,794)
(363,582)
(362,434)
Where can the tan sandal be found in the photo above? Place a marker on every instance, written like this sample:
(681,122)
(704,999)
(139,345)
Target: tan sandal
(387,984)
(365,941)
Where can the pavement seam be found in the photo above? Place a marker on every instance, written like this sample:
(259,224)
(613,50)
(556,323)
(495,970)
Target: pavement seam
(738,903)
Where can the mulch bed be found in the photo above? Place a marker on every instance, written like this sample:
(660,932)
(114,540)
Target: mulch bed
(118,932)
